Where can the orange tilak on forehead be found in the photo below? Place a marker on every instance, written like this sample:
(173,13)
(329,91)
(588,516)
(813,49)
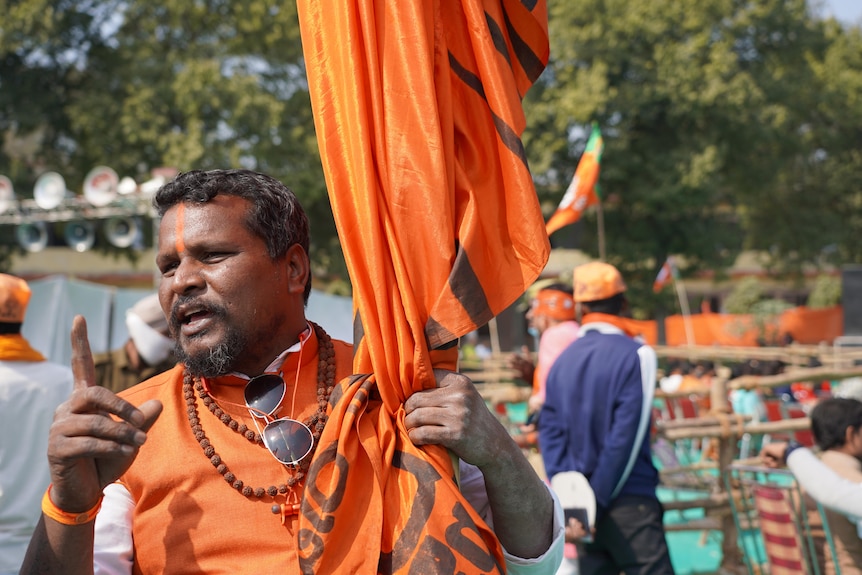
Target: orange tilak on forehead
(180,223)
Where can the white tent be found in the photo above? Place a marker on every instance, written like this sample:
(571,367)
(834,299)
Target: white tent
(57,300)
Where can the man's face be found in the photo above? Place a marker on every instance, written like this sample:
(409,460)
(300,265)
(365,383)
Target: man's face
(230,306)
(538,321)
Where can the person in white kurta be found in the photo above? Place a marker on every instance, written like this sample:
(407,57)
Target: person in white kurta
(31,388)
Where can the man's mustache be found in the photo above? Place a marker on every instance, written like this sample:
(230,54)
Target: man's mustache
(213,309)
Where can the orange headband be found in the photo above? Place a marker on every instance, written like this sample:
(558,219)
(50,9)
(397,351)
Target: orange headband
(554,304)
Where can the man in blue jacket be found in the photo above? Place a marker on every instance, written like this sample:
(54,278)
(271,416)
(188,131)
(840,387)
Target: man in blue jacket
(596,420)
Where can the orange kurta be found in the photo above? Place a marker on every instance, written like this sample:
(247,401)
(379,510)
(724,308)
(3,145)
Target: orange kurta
(187,518)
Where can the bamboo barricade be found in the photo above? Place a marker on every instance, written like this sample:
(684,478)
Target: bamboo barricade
(791,355)
(727,429)
(496,383)
(793,376)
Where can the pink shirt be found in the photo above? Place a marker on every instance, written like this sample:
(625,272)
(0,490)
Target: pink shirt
(552,343)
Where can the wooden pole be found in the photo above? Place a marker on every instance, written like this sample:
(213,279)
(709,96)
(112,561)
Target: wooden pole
(732,429)
(720,406)
(801,374)
(600,220)
(681,294)
(495,337)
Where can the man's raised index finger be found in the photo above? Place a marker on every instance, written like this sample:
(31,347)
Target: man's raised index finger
(83,369)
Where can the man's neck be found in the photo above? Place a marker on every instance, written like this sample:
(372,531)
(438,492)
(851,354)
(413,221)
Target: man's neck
(845,450)
(275,364)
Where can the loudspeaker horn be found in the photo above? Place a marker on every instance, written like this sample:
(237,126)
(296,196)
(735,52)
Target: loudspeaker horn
(150,187)
(100,186)
(7,194)
(80,235)
(121,231)
(33,237)
(127,186)
(49,191)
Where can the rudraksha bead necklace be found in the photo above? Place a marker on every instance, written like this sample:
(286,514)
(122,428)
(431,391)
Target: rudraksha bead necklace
(325,383)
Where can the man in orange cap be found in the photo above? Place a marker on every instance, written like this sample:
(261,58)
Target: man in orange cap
(596,420)
(30,390)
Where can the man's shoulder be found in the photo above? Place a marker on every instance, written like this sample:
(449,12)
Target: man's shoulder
(54,367)
(343,358)
(342,349)
(41,367)
(596,337)
(844,465)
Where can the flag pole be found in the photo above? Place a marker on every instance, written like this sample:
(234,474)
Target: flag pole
(600,220)
(686,312)
(495,337)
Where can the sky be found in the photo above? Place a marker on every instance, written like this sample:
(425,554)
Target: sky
(848,11)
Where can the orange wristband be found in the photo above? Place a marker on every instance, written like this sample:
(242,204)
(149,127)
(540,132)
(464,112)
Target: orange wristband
(60,516)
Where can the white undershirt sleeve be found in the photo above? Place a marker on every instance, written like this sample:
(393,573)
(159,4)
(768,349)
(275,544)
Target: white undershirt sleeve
(472,485)
(824,485)
(113,552)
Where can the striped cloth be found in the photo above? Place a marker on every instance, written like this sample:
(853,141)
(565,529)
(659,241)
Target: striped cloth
(417,106)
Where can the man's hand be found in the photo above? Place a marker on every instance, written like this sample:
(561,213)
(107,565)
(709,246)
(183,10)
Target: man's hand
(575,531)
(772,454)
(522,365)
(87,448)
(455,416)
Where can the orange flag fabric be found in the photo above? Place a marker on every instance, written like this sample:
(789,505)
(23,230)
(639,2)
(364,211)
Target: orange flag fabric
(665,275)
(418,116)
(582,191)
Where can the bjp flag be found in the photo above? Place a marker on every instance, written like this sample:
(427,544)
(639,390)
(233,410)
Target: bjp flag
(582,191)
(666,274)
(417,106)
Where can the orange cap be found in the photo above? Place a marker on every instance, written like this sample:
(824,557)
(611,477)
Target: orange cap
(597,281)
(14,297)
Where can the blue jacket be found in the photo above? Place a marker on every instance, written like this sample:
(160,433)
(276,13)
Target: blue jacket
(594,407)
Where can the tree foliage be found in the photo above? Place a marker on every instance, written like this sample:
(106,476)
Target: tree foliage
(826,292)
(728,126)
(138,85)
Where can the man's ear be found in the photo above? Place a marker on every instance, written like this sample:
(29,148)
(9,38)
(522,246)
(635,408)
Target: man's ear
(849,434)
(298,269)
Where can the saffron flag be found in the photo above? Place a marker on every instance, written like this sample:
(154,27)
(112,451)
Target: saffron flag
(417,106)
(582,191)
(666,274)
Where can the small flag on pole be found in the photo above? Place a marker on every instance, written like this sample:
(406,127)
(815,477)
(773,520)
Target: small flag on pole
(582,191)
(665,275)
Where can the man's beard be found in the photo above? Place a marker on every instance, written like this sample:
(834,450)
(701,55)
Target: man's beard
(215,361)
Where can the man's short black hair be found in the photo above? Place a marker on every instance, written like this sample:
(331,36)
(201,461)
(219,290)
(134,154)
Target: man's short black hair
(275,216)
(612,305)
(830,419)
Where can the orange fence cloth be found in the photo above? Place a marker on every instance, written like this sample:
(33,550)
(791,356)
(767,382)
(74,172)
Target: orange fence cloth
(806,326)
(418,117)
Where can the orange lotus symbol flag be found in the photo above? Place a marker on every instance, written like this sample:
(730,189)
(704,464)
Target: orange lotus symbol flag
(666,275)
(583,189)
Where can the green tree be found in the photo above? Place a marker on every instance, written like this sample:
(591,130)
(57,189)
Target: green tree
(142,84)
(712,119)
(825,293)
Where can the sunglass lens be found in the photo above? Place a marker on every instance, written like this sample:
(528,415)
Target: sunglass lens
(288,440)
(264,393)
